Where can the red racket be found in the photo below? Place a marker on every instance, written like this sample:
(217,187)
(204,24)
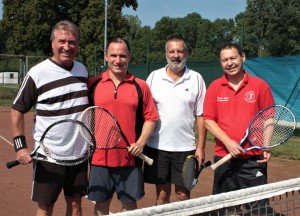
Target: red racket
(106,129)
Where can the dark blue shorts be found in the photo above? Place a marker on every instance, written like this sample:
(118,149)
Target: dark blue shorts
(49,179)
(166,168)
(127,182)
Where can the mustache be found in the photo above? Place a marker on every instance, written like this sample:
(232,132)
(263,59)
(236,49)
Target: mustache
(178,60)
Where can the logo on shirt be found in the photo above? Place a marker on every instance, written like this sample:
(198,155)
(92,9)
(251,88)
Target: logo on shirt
(250,97)
(223,99)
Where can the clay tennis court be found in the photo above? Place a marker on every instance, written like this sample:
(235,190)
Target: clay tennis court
(15,184)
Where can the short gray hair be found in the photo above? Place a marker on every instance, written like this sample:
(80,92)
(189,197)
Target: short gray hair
(65,25)
(176,38)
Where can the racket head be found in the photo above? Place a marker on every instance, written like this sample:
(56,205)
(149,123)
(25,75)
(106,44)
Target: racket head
(103,125)
(271,127)
(190,172)
(64,143)
(107,131)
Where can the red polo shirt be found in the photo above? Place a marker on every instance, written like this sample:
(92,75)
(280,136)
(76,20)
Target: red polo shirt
(233,110)
(122,102)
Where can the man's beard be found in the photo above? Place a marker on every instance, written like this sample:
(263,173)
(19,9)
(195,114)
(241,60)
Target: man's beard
(176,68)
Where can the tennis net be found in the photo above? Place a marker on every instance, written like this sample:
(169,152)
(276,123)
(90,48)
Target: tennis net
(283,198)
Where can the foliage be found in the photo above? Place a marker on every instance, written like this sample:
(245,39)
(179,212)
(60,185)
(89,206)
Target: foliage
(28,23)
(272,27)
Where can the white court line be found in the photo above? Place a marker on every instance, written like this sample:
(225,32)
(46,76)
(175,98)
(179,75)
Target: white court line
(6,140)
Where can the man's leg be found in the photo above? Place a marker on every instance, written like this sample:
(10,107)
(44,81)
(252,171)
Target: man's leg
(102,208)
(163,192)
(129,206)
(182,193)
(73,206)
(44,210)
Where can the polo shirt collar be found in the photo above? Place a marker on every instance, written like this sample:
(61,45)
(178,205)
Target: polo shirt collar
(106,77)
(224,79)
(186,74)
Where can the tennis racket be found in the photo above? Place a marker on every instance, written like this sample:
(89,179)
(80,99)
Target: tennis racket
(66,142)
(106,129)
(191,171)
(269,128)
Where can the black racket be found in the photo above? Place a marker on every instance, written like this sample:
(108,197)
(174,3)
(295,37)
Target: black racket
(191,171)
(269,128)
(106,129)
(66,142)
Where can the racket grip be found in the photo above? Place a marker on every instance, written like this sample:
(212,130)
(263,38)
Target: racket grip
(220,162)
(12,164)
(146,159)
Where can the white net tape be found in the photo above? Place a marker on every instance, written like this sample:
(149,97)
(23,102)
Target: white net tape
(213,202)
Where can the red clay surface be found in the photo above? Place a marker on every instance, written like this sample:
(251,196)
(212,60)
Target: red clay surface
(15,184)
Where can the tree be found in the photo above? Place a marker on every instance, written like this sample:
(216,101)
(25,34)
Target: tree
(2,40)
(272,27)
(203,50)
(163,29)
(284,35)
(139,39)
(28,24)
(189,26)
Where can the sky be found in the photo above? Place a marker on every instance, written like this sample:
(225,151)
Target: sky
(151,11)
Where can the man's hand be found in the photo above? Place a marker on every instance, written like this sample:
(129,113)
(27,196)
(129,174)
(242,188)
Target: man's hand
(23,156)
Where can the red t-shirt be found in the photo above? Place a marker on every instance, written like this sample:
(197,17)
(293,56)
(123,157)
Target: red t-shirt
(122,102)
(233,110)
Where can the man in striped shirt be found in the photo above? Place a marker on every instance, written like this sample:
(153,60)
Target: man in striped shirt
(56,89)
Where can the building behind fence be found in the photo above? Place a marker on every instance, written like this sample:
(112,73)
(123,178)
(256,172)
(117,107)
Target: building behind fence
(9,77)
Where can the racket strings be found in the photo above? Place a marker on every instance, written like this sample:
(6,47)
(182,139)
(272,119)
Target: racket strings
(103,126)
(272,127)
(64,142)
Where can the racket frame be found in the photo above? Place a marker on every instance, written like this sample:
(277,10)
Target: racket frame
(197,171)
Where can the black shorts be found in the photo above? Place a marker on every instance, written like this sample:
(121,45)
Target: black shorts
(167,166)
(127,182)
(240,174)
(49,179)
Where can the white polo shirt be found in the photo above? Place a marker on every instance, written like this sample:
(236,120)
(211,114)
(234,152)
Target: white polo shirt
(178,104)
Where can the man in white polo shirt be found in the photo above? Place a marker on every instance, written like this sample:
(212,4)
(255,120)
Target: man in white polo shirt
(179,94)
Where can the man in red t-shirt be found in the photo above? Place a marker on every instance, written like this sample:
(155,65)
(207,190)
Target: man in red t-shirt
(230,103)
(117,170)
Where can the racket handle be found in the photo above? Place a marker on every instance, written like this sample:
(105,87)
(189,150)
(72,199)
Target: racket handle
(12,164)
(220,162)
(146,159)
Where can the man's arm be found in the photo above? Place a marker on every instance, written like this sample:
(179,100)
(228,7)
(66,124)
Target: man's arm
(148,128)
(200,148)
(17,127)
(232,146)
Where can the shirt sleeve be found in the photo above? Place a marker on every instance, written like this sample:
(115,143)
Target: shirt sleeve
(210,103)
(200,96)
(27,95)
(150,111)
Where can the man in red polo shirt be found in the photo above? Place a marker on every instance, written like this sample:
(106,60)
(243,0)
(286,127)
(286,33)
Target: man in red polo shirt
(230,103)
(129,99)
